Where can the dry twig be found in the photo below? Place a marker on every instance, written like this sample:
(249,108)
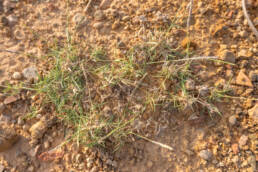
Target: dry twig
(248,19)
(189,15)
(88,6)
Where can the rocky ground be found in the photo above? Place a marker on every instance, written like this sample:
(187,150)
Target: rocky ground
(201,142)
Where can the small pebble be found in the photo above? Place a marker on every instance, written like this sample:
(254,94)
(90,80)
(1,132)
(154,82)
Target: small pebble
(204,91)
(232,120)
(30,73)
(17,75)
(39,116)
(235,148)
(54,134)
(12,20)
(243,140)
(20,121)
(190,84)
(149,164)
(205,154)
(221,164)
(46,144)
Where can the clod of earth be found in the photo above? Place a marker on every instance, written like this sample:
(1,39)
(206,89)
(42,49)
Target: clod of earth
(188,42)
(11,99)
(228,56)
(8,138)
(38,129)
(243,80)
(17,75)
(235,148)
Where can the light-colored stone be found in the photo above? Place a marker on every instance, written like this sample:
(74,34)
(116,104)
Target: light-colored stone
(8,138)
(243,140)
(243,80)
(205,154)
(20,121)
(30,73)
(232,120)
(105,4)
(244,53)
(12,20)
(17,75)
(204,91)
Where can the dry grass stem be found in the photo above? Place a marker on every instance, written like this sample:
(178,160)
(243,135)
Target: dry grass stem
(248,19)
(155,142)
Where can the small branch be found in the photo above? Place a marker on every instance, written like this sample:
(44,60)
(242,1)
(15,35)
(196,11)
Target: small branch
(189,59)
(10,51)
(197,58)
(189,16)
(248,19)
(88,6)
(154,142)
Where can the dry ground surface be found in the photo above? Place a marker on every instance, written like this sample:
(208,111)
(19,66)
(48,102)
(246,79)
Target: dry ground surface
(108,85)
